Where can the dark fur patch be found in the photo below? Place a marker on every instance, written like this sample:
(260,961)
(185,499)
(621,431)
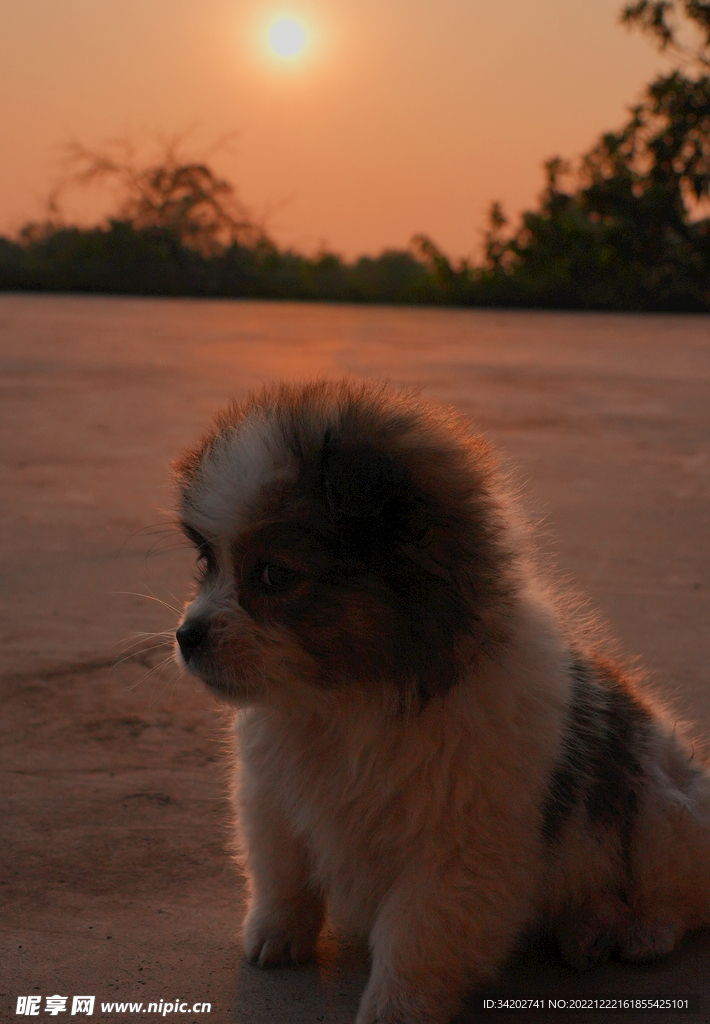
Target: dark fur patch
(369,494)
(599,765)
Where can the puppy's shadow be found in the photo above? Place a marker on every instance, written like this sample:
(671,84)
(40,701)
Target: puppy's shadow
(536,973)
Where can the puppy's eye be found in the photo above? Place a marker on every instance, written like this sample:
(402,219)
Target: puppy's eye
(277,578)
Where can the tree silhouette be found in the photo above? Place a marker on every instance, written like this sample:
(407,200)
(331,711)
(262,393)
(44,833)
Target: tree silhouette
(181,197)
(625,233)
(666,20)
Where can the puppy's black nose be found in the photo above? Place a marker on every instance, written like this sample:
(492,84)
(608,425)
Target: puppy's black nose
(192,636)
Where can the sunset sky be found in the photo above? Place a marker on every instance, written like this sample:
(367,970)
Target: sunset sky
(396,117)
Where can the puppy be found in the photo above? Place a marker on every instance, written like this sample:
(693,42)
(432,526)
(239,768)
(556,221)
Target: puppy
(426,750)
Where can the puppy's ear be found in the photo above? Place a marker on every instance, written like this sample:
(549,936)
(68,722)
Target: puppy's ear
(370,493)
(358,481)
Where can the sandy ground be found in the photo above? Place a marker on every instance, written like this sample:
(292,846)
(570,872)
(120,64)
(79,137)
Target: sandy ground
(116,880)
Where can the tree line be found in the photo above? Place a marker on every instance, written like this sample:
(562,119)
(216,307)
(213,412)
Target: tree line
(622,229)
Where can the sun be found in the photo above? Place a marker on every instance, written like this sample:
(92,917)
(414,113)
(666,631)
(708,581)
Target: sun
(287,37)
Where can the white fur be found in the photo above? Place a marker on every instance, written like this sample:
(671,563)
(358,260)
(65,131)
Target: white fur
(240,468)
(387,816)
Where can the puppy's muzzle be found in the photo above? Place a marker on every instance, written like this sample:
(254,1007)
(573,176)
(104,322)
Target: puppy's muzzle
(193,638)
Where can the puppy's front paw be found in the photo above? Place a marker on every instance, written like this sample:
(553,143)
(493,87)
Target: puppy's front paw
(277,948)
(279,936)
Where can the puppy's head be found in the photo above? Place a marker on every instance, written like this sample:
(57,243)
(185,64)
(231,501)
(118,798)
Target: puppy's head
(346,539)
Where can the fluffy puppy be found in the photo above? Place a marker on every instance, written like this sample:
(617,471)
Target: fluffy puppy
(425,748)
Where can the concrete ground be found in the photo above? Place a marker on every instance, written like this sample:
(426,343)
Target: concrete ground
(114,866)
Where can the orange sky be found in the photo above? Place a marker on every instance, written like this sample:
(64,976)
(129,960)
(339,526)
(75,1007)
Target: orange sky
(401,116)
